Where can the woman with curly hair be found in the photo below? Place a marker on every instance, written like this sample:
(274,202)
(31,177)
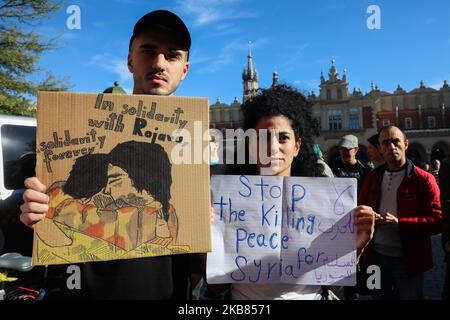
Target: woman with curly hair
(280,115)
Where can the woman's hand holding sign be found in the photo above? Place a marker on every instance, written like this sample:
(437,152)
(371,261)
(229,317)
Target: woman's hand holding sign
(365,226)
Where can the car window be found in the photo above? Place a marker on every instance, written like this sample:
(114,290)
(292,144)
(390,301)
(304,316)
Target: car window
(19,157)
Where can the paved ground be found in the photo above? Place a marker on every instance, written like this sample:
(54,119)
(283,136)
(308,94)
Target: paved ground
(434,279)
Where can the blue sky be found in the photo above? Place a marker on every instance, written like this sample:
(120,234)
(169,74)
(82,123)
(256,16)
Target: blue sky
(298,38)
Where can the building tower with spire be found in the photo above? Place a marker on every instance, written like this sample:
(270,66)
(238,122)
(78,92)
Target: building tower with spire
(334,88)
(250,78)
(275,78)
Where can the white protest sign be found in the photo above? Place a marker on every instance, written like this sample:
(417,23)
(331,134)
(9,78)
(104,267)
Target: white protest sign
(283,230)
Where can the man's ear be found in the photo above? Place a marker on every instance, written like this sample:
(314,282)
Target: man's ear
(185,69)
(130,62)
(406,144)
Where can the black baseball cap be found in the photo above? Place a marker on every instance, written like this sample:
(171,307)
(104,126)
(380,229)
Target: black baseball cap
(164,19)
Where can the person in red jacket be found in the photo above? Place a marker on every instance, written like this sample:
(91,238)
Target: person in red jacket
(444,178)
(409,213)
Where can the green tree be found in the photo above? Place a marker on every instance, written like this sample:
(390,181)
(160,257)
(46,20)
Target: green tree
(20,50)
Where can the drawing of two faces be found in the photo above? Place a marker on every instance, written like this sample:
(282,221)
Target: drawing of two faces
(122,197)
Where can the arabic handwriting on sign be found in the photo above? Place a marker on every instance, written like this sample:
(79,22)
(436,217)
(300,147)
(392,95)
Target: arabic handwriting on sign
(318,276)
(327,278)
(337,264)
(339,207)
(336,229)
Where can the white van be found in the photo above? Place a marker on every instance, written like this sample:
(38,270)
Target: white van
(17,153)
(17,162)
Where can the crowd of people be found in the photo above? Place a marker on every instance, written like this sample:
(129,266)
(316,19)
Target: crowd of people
(399,205)
(433,169)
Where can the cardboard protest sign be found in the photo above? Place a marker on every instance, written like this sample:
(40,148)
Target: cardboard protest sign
(271,229)
(124,177)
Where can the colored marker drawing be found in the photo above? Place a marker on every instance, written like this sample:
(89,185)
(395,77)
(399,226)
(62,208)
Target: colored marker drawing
(113,206)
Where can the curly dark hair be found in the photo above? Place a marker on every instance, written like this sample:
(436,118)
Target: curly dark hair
(88,176)
(283,100)
(148,167)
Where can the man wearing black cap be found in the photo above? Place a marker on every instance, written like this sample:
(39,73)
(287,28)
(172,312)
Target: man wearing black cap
(158,53)
(158,59)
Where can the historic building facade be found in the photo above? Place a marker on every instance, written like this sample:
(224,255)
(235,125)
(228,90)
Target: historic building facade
(423,113)
(337,112)
(223,116)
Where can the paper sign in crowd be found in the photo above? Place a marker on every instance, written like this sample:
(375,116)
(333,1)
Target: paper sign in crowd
(283,229)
